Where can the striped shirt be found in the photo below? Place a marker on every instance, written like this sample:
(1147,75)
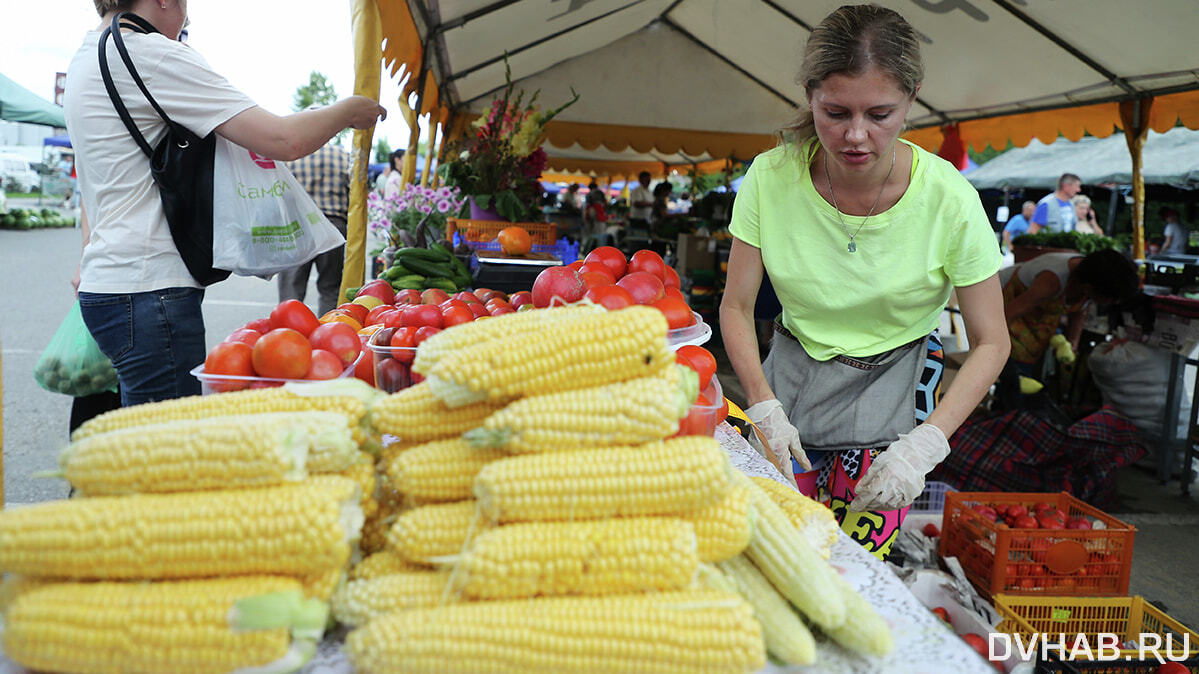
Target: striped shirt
(325,176)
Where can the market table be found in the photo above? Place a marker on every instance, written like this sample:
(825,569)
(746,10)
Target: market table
(923,645)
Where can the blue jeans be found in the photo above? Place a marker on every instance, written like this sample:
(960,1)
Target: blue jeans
(153,339)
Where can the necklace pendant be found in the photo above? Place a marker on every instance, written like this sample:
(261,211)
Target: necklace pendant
(853,247)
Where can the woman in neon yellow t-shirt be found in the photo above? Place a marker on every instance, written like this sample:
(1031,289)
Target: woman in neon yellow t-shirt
(863,236)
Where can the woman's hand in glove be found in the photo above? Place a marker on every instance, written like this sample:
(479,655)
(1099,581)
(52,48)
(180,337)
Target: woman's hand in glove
(773,423)
(896,477)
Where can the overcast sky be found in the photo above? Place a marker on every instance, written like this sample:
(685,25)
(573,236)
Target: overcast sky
(266,48)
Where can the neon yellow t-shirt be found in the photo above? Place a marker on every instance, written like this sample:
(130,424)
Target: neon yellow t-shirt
(893,288)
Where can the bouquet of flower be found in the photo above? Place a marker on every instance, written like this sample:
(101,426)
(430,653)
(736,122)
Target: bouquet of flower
(501,167)
(395,219)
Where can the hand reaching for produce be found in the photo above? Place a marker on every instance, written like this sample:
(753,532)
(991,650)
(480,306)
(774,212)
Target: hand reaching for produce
(896,477)
(770,419)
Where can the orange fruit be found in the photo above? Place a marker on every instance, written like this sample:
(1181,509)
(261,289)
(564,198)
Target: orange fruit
(515,241)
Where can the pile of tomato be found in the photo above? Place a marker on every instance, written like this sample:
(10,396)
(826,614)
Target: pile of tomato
(1042,515)
(607,277)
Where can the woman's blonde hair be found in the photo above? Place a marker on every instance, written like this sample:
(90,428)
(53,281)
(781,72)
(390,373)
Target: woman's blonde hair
(850,41)
(105,6)
(1080,200)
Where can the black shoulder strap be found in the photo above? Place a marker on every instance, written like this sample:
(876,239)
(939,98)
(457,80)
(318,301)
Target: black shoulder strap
(140,25)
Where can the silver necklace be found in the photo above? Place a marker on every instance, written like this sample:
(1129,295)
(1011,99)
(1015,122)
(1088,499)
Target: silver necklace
(853,246)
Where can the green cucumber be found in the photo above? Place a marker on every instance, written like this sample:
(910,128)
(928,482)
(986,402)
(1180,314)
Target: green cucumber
(426,268)
(427,254)
(442,283)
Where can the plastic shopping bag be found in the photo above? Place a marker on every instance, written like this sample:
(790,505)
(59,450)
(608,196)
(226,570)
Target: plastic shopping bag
(263,222)
(73,363)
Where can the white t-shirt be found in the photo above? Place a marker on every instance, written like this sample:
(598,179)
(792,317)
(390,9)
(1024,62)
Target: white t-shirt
(640,193)
(131,249)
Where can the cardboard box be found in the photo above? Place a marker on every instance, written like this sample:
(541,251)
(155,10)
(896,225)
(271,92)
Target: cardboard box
(695,252)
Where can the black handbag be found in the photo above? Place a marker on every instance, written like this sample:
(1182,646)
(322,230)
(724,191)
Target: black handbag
(181,165)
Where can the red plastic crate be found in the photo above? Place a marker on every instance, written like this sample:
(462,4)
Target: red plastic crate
(998,558)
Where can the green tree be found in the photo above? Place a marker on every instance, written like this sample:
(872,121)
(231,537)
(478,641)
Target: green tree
(382,151)
(318,91)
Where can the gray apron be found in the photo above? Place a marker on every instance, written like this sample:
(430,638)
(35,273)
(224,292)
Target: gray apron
(845,402)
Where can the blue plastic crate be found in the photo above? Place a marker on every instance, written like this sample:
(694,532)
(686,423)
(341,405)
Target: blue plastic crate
(932,500)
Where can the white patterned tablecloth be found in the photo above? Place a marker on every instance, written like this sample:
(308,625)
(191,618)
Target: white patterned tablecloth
(923,645)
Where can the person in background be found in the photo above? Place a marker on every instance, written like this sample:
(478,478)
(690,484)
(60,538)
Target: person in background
(325,176)
(660,210)
(135,293)
(568,201)
(863,236)
(1054,212)
(395,177)
(1088,223)
(1018,224)
(595,217)
(1177,237)
(381,179)
(641,200)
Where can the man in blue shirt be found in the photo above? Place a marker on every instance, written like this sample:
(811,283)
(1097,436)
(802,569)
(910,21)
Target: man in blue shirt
(1019,224)
(1054,211)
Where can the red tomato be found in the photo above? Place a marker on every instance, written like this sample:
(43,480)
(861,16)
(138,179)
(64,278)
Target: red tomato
(456,315)
(393,318)
(1172,668)
(643,286)
(296,315)
(262,325)
(467,297)
(1014,511)
(597,268)
(324,365)
(559,285)
(282,353)
(1025,522)
(478,309)
(485,294)
(358,311)
(648,261)
(942,613)
(699,359)
(519,299)
(365,368)
(576,265)
(675,293)
(231,358)
(699,418)
(611,297)
(380,289)
(501,310)
(723,412)
(611,258)
(986,511)
(976,642)
(434,296)
(931,530)
(373,316)
(497,303)
(593,279)
(392,375)
(452,303)
(244,335)
(408,296)
(672,279)
(678,314)
(339,339)
(404,338)
(420,315)
(424,333)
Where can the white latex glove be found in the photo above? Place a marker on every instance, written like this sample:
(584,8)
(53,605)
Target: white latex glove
(770,419)
(896,477)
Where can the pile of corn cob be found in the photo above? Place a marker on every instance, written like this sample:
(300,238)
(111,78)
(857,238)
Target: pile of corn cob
(537,515)
(207,535)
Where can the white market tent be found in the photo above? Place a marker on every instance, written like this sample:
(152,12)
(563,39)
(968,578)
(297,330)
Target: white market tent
(1170,158)
(670,82)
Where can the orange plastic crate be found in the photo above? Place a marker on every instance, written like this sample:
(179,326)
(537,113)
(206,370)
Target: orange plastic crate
(1126,617)
(998,558)
(482,231)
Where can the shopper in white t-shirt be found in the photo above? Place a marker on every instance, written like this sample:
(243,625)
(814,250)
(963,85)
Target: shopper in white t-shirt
(136,295)
(1177,237)
(641,202)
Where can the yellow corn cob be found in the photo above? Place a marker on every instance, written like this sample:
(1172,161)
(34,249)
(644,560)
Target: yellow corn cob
(322,585)
(215,625)
(350,397)
(413,415)
(631,412)
(436,530)
(361,600)
(333,447)
(295,529)
(502,329)
(813,520)
(362,472)
(790,562)
(787,638)
(864,630)
(588,350)
(659,478)
(442,470)
(592,557)
(380,564)
(723,528)
(668,633)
